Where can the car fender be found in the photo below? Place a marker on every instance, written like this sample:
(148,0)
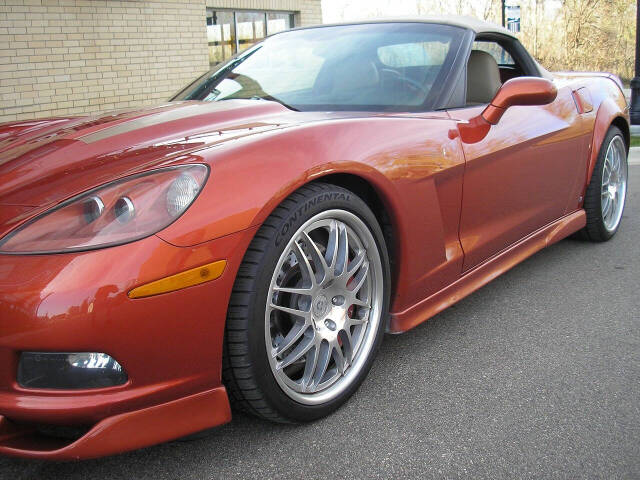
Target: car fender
(414,168)
(608,112)
(244,188)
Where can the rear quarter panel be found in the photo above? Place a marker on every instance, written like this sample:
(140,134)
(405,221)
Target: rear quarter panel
(608,104)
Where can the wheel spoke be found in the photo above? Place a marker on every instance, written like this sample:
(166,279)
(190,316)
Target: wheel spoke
(302,348)
(360,278)
(338,358)
(610,156)
(317,257)
(305,267)
(356,263)
(606,208)
(294,290)
(616,160)
(296,332)
(291,311)
(343,251)
(352,322)
(331,253)
(322,363)
(607,170)
(359,303)
(347,344)
(310,367)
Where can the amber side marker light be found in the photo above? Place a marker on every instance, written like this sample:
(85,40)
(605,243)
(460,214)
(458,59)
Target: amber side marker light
(188,278)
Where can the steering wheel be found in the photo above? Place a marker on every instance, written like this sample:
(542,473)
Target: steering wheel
(409,81)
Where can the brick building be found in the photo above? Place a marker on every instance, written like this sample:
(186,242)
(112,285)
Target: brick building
(72,57)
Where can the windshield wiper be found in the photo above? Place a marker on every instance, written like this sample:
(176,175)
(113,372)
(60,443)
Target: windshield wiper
(267,98)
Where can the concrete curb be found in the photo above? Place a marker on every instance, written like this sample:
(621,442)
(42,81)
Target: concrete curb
(634,156)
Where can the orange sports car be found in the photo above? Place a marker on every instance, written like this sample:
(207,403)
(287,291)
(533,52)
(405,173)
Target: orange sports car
(256,236)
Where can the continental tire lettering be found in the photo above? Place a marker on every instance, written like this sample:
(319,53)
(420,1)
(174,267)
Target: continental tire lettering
(300,211)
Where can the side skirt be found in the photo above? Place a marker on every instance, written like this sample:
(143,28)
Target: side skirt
(487,271)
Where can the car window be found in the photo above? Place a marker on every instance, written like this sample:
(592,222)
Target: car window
(387,67)
(496,51)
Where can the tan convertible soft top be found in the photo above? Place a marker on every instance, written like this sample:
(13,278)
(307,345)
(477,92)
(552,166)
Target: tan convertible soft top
(464,21)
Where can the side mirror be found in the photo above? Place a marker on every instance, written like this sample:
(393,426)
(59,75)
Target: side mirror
(519,91)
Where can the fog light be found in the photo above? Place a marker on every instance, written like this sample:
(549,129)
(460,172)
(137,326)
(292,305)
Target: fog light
(69,371)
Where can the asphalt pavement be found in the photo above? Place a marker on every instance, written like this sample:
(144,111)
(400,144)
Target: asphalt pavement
(536,375)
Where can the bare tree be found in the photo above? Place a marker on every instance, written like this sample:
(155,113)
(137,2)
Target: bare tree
(561,34)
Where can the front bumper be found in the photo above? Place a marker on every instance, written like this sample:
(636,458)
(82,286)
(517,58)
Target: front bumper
(122,432)
(170,345)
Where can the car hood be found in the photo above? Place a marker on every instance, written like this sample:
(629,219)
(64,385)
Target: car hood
(44,162)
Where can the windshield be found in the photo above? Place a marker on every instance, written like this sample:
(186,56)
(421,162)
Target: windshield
(380,66)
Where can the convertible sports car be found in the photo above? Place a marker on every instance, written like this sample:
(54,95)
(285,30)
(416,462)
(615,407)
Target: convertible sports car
(258,234)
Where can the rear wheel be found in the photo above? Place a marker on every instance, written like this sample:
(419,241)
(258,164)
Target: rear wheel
(308,308)
(605,197)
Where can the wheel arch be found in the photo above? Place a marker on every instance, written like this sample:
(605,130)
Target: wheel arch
(622,124)
(376,190)
(380,207)
(609,114)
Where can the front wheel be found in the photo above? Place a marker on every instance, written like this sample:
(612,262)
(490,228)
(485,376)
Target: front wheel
(308,308)
(607,190)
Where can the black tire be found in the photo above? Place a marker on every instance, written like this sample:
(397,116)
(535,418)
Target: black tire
(595,230)
(246,370)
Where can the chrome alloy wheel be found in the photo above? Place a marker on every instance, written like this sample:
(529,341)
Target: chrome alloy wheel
(614,183)
(324,307)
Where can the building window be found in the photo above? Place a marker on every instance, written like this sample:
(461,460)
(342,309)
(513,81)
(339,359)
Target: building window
(230,32)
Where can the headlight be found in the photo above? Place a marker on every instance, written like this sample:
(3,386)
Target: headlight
(119,212)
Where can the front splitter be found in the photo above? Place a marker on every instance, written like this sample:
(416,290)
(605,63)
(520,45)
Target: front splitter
(123,432)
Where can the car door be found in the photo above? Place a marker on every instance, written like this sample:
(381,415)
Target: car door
(524,174)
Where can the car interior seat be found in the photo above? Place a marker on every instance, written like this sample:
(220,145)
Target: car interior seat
(483,78)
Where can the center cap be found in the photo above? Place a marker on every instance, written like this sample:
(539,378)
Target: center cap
(320,306)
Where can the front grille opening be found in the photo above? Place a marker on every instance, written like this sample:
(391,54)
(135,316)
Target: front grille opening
(64,432)
(39,437)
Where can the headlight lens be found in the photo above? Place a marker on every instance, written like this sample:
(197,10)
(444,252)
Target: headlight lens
(122,211)
(181,193)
